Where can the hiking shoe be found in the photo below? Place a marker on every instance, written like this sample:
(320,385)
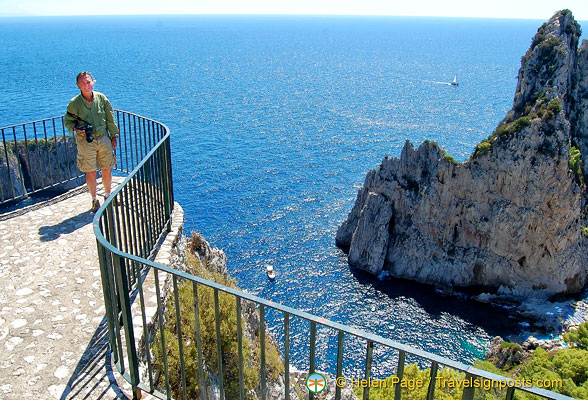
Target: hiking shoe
(95,205)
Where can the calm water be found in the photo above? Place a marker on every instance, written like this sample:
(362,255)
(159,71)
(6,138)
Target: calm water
(275,122)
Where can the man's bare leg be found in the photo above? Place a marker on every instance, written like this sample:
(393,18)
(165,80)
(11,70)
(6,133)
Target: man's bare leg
(106,180)
(91,183)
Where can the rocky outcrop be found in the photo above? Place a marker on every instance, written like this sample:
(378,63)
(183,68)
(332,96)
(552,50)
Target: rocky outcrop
(35,164)
(508,355)
(509,219)
(11,181)
(48,162)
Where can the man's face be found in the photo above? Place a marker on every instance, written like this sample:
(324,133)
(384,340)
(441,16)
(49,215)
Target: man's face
(86,84)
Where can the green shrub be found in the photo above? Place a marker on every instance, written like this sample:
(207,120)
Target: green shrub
(575,164)
(513,127)
(555,106)
(504,130)
(568,366)
(572,364)
(547,111)
(449,158)
(510,345)
(578,337)
(483,147)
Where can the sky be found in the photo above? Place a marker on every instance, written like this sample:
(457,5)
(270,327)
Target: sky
(529,9)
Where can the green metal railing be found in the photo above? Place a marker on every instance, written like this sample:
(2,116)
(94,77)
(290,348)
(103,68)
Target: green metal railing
(36,156)
(129,227)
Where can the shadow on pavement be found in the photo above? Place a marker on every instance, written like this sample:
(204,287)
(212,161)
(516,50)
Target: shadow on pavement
(94,377)
(69,225)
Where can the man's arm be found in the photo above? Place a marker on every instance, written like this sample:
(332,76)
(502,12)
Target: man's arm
(69,119)
(110,124)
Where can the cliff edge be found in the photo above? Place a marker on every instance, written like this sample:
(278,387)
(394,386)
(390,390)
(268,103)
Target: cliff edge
(508,220)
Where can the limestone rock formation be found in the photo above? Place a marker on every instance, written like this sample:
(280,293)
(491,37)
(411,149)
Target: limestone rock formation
(509,219)
(48,162)
(11,182)
(35,164)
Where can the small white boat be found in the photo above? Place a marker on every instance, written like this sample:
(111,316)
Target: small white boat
(454,82)
(270,271)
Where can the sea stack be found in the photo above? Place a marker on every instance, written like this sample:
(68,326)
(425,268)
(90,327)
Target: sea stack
(511,220)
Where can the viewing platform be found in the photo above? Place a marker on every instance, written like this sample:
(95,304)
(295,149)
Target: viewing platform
(53,332)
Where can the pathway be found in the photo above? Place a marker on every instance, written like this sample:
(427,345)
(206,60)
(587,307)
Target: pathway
(53,336)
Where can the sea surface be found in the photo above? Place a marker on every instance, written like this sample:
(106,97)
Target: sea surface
(275,122)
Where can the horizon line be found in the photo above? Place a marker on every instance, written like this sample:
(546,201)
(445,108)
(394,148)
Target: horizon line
(267,14)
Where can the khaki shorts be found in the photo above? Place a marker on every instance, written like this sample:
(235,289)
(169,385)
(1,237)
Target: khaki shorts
(98,154)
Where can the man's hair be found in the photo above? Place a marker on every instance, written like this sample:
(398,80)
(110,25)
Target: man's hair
(84,73)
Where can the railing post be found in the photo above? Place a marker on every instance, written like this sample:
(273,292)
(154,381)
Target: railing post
(287,355)
(312,352)
(340,337)
(180,337)
(165,167)
(432,381)
(468,391)
(262,344)
(219,350)
(125,304)
(510,393)
(399,375)
(22,180)
(368,368)
(240,348)
(107,286)
(201,381)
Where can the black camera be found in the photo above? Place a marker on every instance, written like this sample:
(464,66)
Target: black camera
(89,132)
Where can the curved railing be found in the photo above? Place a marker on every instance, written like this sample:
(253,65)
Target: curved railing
(129,228)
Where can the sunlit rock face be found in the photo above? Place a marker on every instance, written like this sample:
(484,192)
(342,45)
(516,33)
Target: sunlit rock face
(507,220)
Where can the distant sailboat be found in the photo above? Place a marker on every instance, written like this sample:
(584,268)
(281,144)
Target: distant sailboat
(454,82)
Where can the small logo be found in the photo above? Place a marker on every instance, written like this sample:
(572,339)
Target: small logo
(316,382)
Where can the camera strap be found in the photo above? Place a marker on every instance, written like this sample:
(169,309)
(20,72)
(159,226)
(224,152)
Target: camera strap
(78,118)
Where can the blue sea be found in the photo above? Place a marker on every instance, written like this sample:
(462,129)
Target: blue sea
(275,122)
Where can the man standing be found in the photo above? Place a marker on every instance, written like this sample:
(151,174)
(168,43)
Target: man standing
(93,108)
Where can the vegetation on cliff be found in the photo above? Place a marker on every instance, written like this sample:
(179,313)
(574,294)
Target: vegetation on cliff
(228,328)
(578,337)
(563,371)
(568,366)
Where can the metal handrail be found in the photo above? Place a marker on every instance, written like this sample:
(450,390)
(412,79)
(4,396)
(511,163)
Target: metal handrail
(130,225)
(35,156)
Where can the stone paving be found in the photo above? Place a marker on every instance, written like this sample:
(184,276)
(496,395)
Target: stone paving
(53,335)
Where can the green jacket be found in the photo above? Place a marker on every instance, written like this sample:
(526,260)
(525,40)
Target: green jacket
(99,114)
